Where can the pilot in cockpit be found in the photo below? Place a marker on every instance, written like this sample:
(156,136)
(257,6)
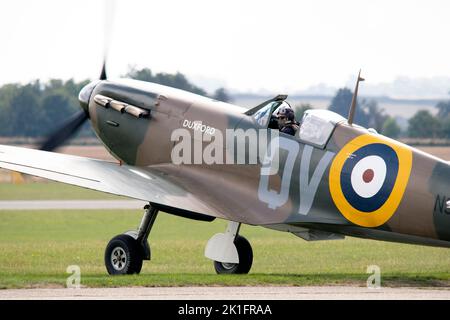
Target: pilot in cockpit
(283,118)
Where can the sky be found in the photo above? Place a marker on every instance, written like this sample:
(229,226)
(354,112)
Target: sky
(260,46)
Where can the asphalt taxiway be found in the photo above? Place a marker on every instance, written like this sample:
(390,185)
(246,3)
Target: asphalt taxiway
(230,293)
(70,204)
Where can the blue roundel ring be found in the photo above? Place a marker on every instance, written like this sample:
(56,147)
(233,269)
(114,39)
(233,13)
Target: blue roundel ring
(376,201)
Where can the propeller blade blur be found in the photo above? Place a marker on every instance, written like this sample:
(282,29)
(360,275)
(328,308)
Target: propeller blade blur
(65,132)
(110,7)
(72,124)
(103,73)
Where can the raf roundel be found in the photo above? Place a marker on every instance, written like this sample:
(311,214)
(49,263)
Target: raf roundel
(368,178)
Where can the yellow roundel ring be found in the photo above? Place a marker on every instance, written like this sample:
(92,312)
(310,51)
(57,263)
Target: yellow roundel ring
(368,178)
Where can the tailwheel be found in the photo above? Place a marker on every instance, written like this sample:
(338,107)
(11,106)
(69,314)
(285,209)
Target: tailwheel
(123,255)
(245,254)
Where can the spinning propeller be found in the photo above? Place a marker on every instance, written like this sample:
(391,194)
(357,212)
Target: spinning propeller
(69,127)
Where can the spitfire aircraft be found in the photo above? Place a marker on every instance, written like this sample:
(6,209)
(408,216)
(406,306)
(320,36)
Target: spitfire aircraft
(331,179)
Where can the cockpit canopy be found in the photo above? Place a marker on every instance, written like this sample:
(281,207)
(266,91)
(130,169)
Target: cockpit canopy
(316,126)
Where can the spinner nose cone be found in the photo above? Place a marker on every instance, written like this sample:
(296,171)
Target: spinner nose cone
(85,95)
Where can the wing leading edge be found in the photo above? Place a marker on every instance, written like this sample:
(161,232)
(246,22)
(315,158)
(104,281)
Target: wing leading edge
(133,182)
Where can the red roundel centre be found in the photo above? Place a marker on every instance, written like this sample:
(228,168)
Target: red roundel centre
(368,175)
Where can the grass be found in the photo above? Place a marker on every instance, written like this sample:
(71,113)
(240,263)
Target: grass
(36,247)
(46,190)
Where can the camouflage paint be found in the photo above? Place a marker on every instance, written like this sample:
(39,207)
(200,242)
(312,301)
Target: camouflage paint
(416,210)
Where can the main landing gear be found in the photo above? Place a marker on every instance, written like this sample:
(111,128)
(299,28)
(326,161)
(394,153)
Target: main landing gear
(124,254)
(231,253)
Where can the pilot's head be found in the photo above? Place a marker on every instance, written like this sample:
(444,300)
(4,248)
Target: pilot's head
(284,114)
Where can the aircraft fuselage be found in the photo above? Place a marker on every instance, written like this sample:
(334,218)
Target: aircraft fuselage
(360,183)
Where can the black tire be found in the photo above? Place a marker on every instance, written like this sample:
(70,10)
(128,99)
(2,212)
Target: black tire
(128,255)
(245,254)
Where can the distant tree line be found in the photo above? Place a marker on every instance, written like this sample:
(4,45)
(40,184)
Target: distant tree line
(424,125)
(368,114)
(36,109)
(177,80)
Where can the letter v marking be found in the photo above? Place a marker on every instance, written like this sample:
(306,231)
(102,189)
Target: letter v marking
(308,190)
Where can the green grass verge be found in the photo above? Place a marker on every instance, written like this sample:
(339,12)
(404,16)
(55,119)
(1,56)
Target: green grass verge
(46,190)
(36,247)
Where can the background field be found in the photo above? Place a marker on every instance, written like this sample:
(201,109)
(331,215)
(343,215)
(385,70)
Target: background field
(36,247)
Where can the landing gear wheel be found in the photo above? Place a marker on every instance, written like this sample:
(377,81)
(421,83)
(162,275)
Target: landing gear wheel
(123,255)
(245,254)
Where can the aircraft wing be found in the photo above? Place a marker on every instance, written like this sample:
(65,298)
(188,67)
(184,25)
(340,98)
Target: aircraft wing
(129,181)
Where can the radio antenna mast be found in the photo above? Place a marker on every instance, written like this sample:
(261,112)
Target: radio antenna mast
(352,110)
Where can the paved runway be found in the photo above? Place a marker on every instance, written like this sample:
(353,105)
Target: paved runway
(231,293)
(70,204)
